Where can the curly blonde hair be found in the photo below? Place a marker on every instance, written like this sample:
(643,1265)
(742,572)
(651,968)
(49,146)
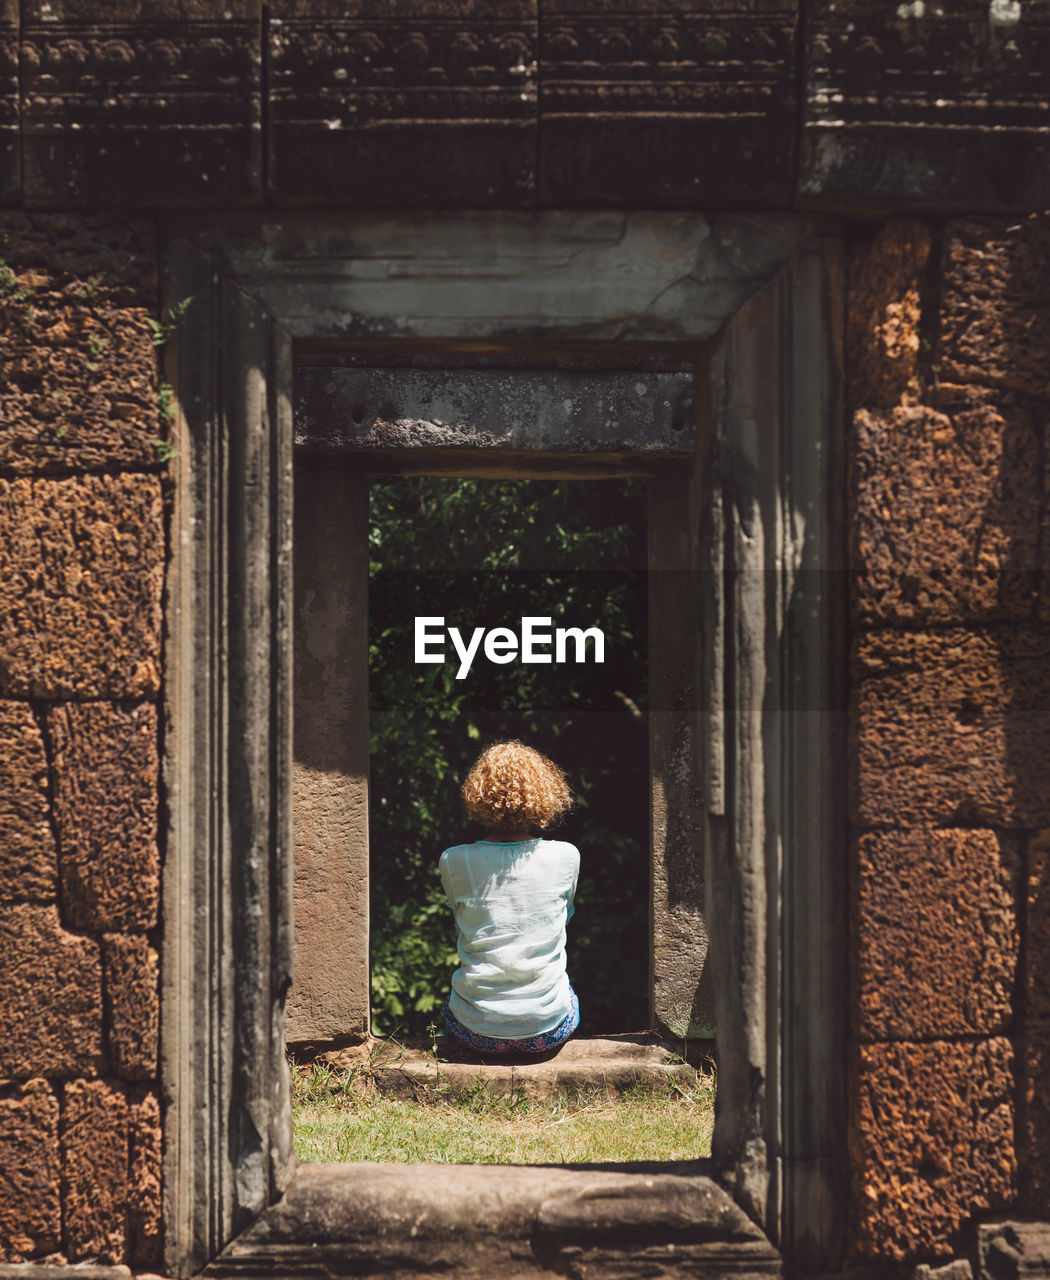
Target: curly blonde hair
(512,786)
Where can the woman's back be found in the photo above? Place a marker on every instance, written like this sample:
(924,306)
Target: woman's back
(512,900)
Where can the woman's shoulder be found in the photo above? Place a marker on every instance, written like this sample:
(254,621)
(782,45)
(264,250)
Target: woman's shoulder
(560,849)
(455,850)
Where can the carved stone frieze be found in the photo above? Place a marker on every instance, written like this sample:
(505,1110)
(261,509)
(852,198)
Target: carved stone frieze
(688,105)
(10,144)
(939,104)
(401,101)
(140,112)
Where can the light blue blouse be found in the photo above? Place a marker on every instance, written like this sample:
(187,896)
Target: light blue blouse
(512,901)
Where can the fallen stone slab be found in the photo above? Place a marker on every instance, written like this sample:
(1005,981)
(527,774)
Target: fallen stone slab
(614,1064)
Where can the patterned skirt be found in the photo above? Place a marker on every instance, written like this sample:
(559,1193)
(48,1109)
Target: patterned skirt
(543,1043)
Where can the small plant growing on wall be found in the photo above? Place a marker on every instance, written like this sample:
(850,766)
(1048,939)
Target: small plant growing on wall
(162,330)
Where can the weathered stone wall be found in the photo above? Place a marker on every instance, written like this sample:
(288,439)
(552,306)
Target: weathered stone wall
(81,573)
(576,103)
(949,395)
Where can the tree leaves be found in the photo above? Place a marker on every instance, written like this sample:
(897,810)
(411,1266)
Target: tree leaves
(486,553)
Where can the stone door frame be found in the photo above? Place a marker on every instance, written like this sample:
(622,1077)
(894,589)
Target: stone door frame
(620,422)
(754,302)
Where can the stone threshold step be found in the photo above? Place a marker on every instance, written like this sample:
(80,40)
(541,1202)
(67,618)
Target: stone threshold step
(613,1064)
(476,1222)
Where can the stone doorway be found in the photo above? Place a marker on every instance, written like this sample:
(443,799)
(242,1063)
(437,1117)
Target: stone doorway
(753,303)
(518,419)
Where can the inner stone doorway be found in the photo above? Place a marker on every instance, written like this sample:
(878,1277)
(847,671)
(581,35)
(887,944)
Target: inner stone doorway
(570,556)
(355,423)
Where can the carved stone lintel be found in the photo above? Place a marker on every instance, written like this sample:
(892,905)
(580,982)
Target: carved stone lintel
(411,106)
(10,142)
(145,112)
(927,105)
(689,107)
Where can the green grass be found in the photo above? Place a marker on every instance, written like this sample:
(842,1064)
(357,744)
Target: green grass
(336,1119)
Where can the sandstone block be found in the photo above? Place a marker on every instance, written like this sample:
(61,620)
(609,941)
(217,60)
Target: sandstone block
(78,369)
(27,845)
(150,105)
(994,321)
(883,312)
(132,969)
(10,130)
(1034,1120)
(1009,1249)
(144,1181)
(931,1142)
(50,996)
(945,523)
(106,776)
(951,727)
(95,1170)
(30,1207)
(609,130)
(81,569)
(934,934)
(1037,931)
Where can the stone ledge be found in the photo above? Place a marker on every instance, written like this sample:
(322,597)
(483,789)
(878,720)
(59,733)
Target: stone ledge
(1011,1250)
(612,1063)
(468,1221)
(55,1271)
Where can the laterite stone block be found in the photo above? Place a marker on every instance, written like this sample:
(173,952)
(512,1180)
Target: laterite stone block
(81,570)
(27,846)
(78,367)
(1037,934)
(1034,1127)
(935,934)
(945,514)
(882,314)
(106,776)
(931,1143)
(144,1181)
(995,320)
(50,996)
(951,728)
(30,1205)
(95,1170)
(131,970)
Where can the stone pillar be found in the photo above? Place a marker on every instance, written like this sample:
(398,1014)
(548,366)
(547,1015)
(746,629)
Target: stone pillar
(681,1003)
(329,998)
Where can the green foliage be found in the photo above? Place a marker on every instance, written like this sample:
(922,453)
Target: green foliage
(88,290)
(97,345)
(166,450)
(162,330)
(11,286)
(166,403)
(486,553)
